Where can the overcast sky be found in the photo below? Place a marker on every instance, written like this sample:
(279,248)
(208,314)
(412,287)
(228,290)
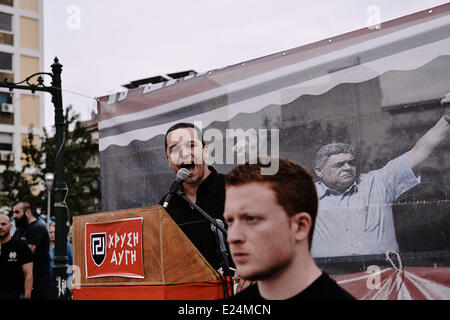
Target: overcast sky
(104,44)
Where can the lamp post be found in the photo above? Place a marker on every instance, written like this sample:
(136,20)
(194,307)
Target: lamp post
(60,259)
(49,177)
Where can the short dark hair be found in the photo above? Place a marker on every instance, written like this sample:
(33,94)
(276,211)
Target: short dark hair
(25,206)
(182,125)
(293,185)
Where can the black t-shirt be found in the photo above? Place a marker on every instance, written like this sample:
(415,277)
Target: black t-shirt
(37,234)
(323,288)
(211,198)
(13,255)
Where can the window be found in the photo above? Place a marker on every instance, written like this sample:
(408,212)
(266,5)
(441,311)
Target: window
(6,114)
(5,21)
(5,61)
(7,3)
(6,141)
(5,98)
(7,75)
(6,38)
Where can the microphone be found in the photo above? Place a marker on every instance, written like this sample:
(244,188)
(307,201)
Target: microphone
(182,176)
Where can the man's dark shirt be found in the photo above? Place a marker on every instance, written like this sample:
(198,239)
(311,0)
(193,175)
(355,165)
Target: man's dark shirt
(211,198)
(323,288)
(13,255)
(37,234)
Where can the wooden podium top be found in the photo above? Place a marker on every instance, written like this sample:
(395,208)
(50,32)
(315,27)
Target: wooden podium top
(169,257)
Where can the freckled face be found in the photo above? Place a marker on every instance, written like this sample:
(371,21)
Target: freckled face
(260,238)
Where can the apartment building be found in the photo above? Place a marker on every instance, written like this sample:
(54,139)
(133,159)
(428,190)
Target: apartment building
(21,55)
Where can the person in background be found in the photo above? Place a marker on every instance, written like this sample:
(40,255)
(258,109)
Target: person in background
(35,234)
(51,231)
(16,264)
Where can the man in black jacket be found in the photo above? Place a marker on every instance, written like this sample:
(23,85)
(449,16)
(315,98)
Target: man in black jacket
(35,234)
(205,187)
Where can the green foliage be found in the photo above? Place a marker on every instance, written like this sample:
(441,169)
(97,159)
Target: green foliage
(82,181)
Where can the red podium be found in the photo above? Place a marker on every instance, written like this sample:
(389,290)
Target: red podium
(139,254)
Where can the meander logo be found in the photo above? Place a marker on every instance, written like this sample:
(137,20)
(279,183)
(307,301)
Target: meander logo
(98,248)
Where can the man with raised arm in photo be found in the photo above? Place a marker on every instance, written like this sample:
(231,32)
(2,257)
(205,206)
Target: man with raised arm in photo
(355,211)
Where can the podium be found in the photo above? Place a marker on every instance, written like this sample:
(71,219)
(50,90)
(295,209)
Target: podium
(113,261)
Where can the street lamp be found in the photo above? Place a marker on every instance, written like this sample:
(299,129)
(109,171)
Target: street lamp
(49,177)
(60,190)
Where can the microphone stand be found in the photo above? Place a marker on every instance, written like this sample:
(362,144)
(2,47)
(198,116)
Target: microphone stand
(181,194)
(219,231)
(224,252)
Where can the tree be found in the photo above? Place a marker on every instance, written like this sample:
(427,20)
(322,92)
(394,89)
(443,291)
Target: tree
(83,182)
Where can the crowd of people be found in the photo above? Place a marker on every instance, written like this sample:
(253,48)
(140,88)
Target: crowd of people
(26,255)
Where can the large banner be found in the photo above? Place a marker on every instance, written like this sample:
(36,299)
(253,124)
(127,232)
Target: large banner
(373,93)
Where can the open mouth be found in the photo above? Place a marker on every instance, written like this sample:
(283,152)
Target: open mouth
(189,166)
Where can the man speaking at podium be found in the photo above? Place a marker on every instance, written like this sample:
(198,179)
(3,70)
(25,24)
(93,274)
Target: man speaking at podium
(205,187)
